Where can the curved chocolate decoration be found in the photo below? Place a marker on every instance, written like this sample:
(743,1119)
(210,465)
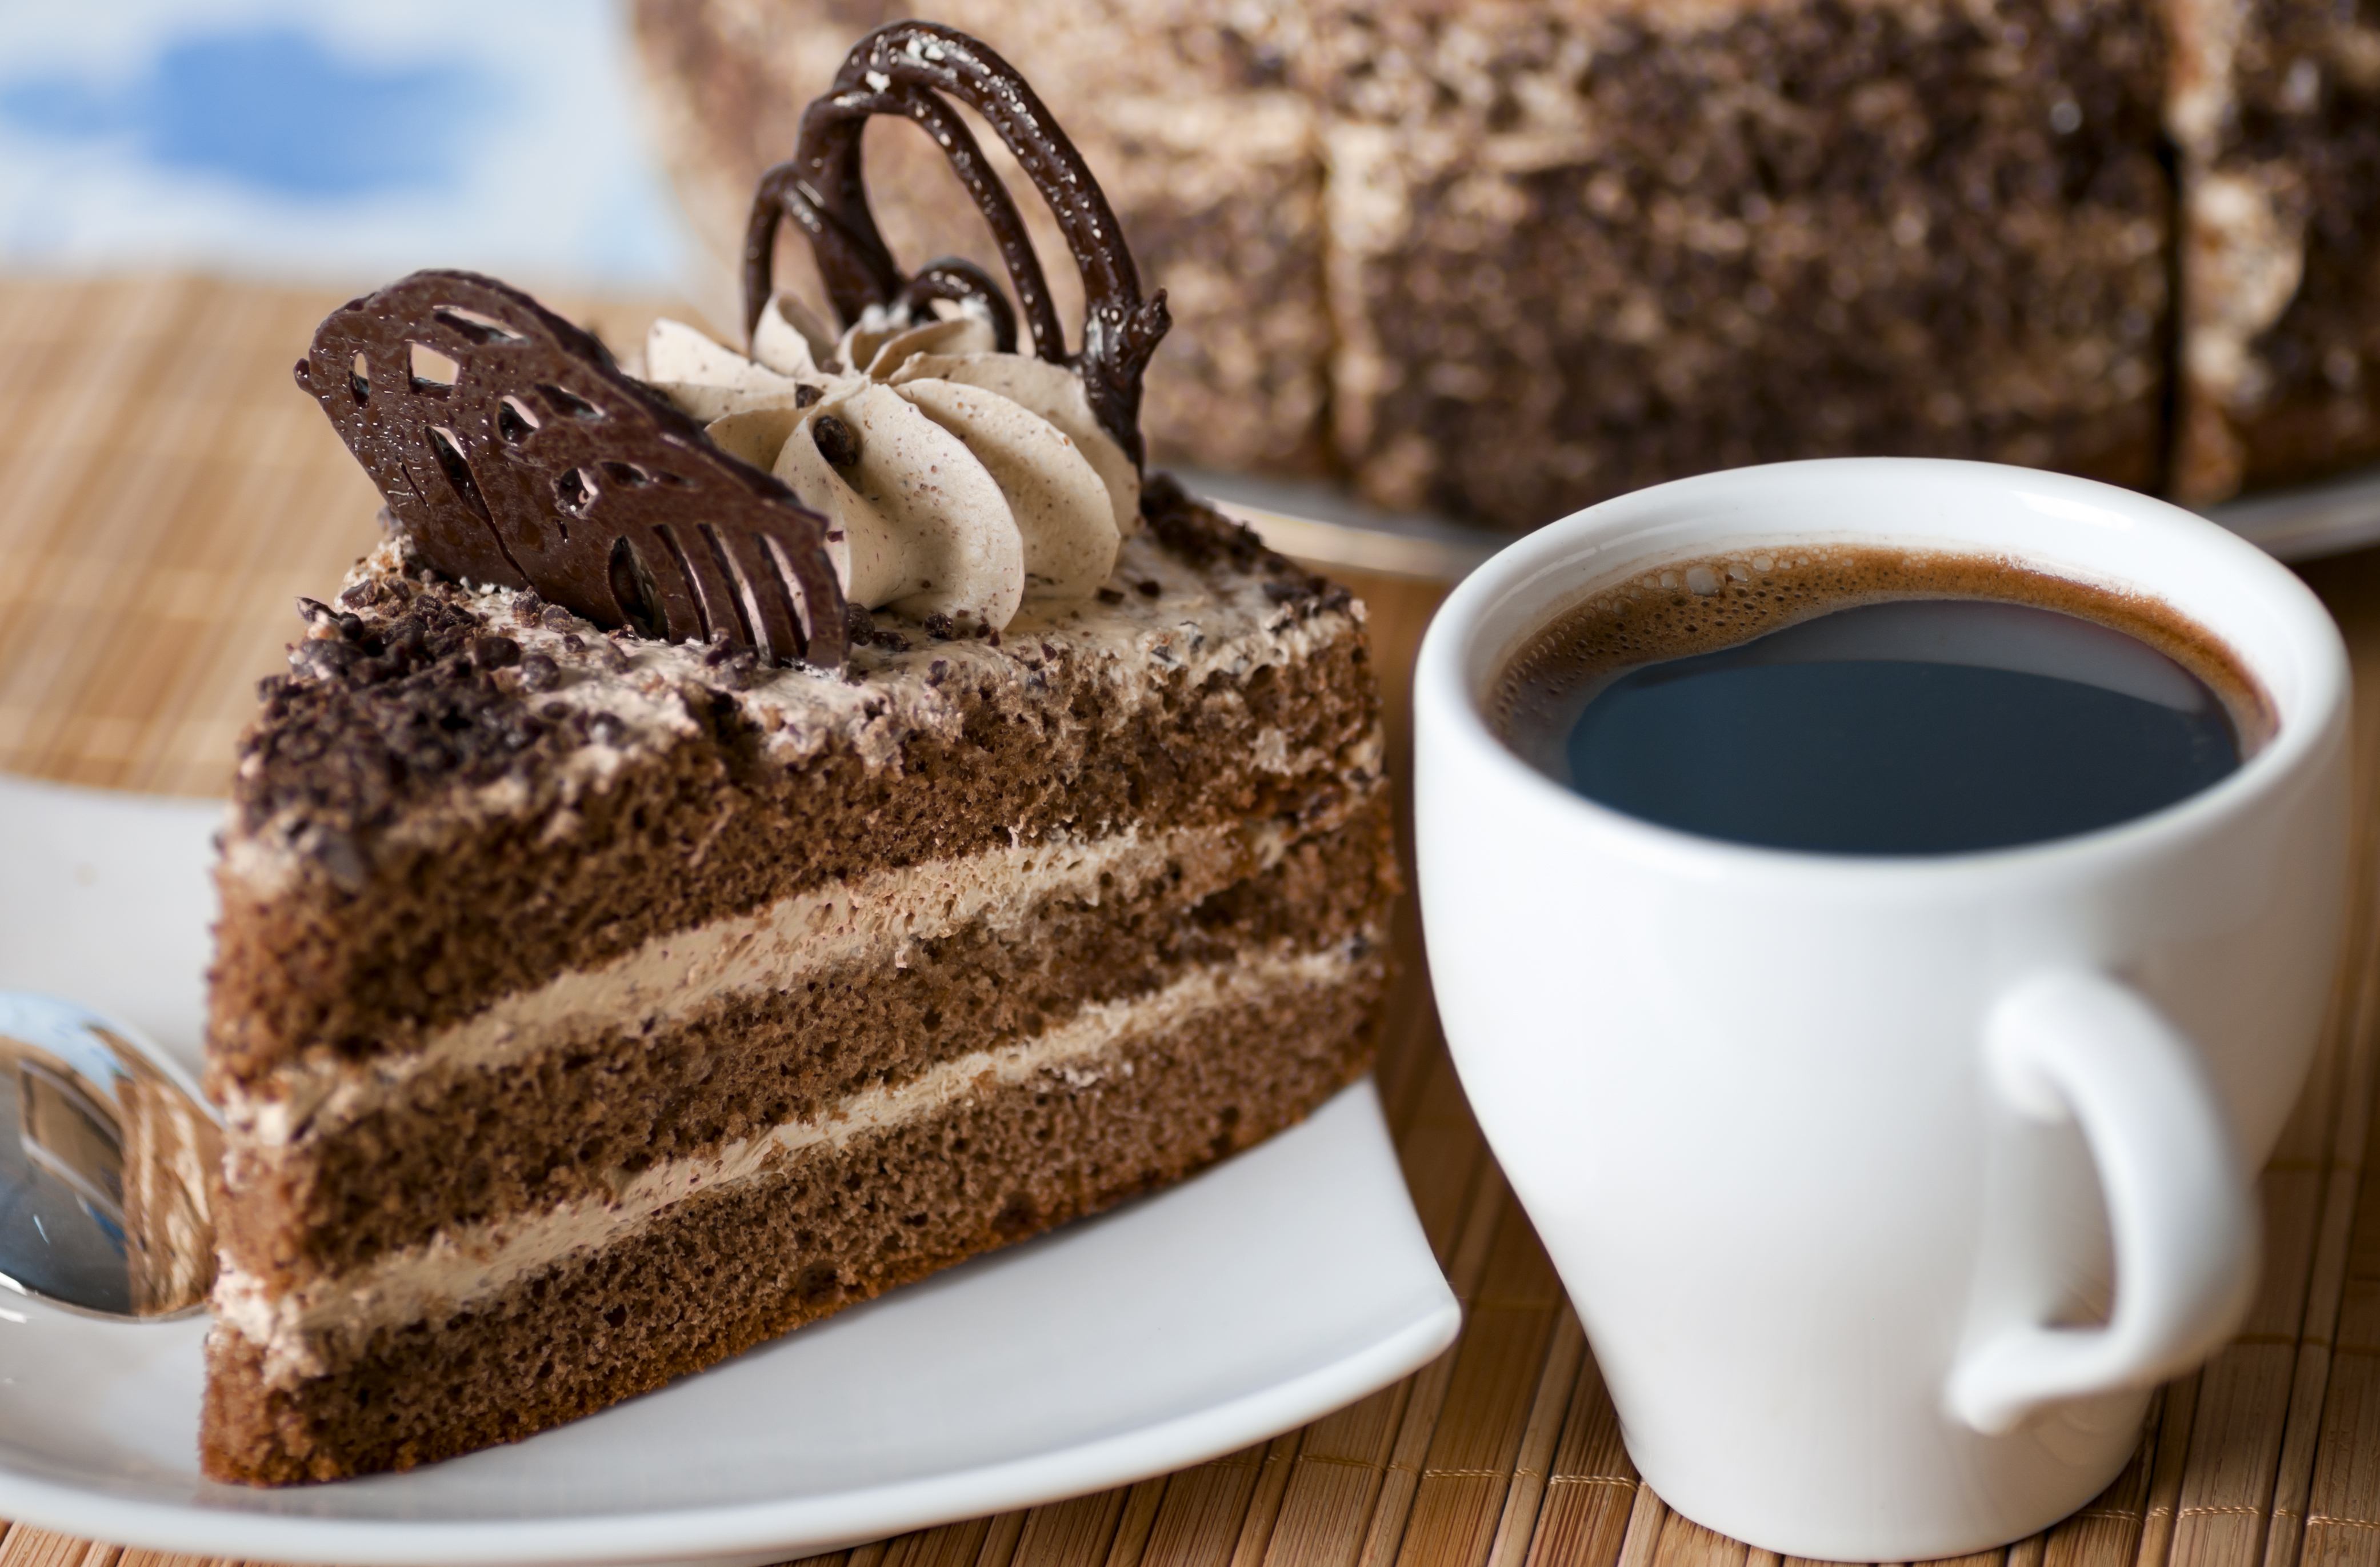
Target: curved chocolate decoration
(527,458)
(897,70)
(955,277)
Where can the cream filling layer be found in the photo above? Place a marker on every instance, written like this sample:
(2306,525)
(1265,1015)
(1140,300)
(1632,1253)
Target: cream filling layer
(303,1330)
(877,919)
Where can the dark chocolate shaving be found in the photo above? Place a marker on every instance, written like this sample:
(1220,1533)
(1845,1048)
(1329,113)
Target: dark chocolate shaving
(834,440)
(511,451)
(898,70)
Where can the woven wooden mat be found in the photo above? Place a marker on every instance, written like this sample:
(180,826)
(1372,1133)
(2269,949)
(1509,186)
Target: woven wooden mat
(164,491)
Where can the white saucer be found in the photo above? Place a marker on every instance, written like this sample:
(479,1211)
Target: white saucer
(1268,1291)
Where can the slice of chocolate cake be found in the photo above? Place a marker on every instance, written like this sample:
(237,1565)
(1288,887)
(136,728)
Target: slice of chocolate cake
(633,947)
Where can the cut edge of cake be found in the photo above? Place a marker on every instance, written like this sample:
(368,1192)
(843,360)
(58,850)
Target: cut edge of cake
(1224,963)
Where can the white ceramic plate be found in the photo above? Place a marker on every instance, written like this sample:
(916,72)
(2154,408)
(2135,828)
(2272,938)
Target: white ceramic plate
(1274,1288)
(1323,524)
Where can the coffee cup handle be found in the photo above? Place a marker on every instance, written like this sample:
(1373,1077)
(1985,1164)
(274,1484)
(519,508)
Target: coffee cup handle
(2076,1044)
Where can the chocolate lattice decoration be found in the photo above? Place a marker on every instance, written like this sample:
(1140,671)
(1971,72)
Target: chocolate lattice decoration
(900,69)
(513,451)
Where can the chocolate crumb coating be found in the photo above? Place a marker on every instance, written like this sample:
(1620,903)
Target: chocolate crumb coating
(1584,248)
(385,713)
(2275,105)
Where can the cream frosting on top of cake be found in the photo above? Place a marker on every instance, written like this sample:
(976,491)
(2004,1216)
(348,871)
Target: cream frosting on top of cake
(958,479)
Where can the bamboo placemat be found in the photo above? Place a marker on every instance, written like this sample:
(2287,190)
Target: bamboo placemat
(164,491)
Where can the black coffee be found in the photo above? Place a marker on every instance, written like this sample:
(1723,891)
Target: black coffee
(1877,720)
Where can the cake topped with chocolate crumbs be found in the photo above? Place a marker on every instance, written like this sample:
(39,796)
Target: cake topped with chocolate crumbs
(759,829)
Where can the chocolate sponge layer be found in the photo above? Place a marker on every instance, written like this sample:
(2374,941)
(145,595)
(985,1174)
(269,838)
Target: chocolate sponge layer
(474,1143)
(716,1274)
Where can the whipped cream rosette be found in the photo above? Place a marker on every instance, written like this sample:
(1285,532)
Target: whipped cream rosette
(958,479)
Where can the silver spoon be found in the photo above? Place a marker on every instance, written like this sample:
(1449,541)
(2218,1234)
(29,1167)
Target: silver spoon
(105,1149)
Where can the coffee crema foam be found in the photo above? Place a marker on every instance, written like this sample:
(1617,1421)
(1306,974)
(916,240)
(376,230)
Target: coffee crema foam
(1715,599)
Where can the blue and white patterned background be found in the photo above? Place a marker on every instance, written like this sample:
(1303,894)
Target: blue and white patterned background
(333,141)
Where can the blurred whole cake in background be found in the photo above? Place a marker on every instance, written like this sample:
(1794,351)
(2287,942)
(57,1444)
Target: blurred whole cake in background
(1503,259)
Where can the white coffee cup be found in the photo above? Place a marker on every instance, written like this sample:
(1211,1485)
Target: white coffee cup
(1825,1147)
